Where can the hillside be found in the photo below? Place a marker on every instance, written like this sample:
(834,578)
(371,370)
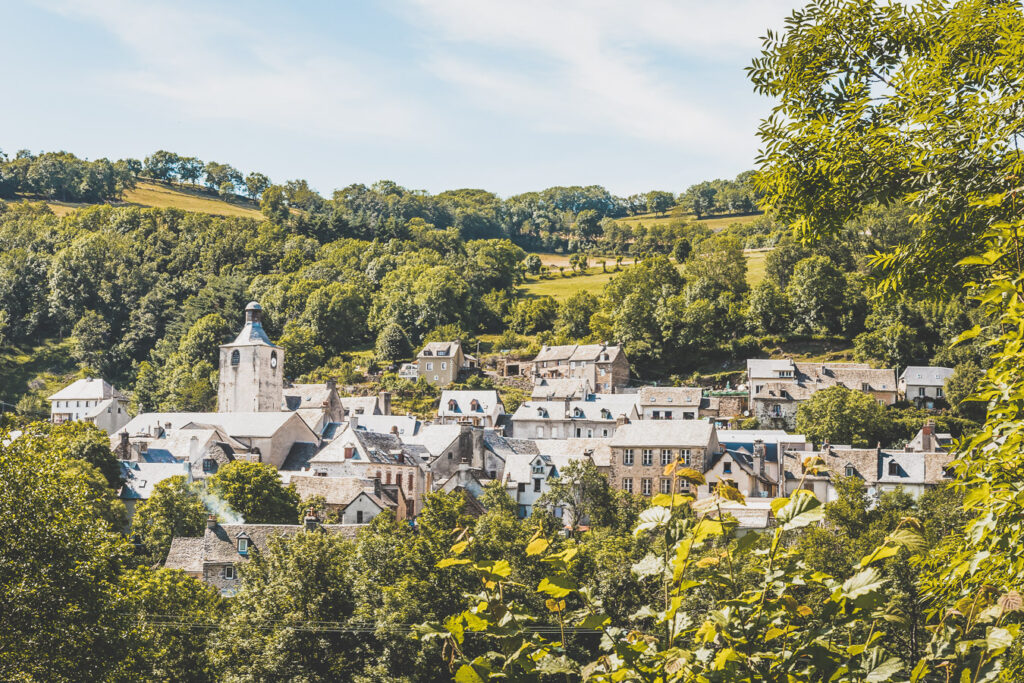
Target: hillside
(677,213)
(176,196)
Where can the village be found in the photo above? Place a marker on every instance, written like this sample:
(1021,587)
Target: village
(362,459)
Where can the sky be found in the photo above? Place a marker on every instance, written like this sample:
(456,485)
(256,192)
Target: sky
(510,96)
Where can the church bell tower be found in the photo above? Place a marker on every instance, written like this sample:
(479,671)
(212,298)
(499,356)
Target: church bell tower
(251,367)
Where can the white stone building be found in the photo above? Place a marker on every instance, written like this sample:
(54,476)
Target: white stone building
(90,400)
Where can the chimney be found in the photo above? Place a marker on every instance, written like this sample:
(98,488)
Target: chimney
(332,384)
(310,521)
(193,449)
(384,402)
(376,487)
(621,420)
(394,429)
(211,522)
(928,437)
(353,422)
(123,448)
(760,453)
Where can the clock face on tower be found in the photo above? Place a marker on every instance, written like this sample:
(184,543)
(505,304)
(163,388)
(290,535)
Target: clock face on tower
(273,360)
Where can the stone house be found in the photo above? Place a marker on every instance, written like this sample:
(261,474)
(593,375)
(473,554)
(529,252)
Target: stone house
(372,455)
(477,408)
(355,500)
(215,557)
(266,437)
(604,366)
(881,470)
(640,451)
(90,400)
(598,416)
(532,466)
(441,362)
(669,403)
(138,479)
(924,385)
(777,387)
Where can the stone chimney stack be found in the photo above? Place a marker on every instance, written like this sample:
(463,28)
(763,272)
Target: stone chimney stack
(384,402)
(211,522)
(621,420)
(760,453)
(928,437)
(310,521)
(332,384)
(124,446)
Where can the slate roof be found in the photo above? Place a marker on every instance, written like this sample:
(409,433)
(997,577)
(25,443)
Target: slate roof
(407,425)
(257,425)
(335,490)
(872,465)
(369,447)
(186,554)
(576,352)
(435,438)
(139,478)
(220,544)
(926,376)
(669,396)
(359,405)
(487,402)
(102,407)
(744,438)
(305,396)
(664,433)
(767,367)
(252,333)
(560,388)
(590,409)
(299,456)
(88,389)
(442,349)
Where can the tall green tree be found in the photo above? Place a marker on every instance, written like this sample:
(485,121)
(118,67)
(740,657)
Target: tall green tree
(254,491)
(174,508)
(843,416)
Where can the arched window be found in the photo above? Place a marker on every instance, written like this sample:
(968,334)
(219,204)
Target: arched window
(235,358)
(378,475)
(389,478)
(409,486)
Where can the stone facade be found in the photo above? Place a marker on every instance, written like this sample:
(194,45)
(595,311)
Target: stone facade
(640,451)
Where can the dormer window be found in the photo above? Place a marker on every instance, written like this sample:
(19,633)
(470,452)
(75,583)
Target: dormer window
(243,543)
(235,358)
(474,405)
(576,412)
(850,471)
(427,353)
(894,469)
(606,414)
(453,405)
(541,412)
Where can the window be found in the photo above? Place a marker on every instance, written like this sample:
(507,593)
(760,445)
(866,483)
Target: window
(894,469)
(540,432)
(430,366)
(603,372)
(656,415)
(229,572)
(648,456)
(683,485)
(579,432)
(209,465)
(444,366)
(850,471)
(920,391)
(243,545)
(627,485)
(409,482)
(684,455)
(727,467)
(359,516)
(389,477)
(536,485)
(604,432)
(687,416)
(938,392)
(627,456)
(666,456)
(521,487)
(776,410)
(666,485)
(645,486)
(435,378)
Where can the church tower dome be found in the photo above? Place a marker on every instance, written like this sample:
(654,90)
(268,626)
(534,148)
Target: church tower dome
(251,369)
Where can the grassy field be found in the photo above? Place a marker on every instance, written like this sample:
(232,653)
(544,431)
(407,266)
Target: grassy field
(160,196)
(594,281)
(755,265)
(713,222)
(23,369)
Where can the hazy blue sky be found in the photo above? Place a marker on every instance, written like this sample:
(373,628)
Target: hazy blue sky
(435,94)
